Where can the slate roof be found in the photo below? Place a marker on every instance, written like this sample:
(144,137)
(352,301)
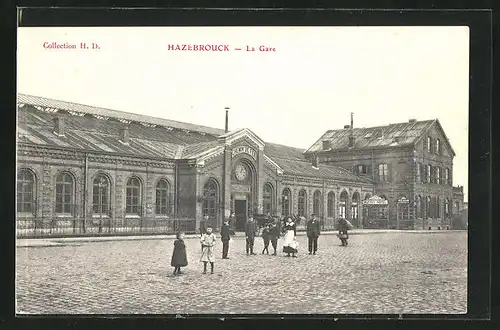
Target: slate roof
(93,129)
(87,109)
(293,162)
(374,137)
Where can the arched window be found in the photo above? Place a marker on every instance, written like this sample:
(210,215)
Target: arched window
(428,174)
(317,203)
(429,144)
(438,147)
(331,205)
(285,202)
(163,205)
(210,198)
(447,176)
(267,198)
(438,207)
(355,206)
(133,197)
(418,174)
(342,204)
(100,195)
(428,207)
(438,175)
(25,191)
(302,203)
(64,193)
(418,206)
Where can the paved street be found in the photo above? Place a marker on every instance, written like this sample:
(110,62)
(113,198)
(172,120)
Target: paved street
(377,273)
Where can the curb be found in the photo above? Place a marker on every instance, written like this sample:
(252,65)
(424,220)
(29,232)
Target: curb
(67,241)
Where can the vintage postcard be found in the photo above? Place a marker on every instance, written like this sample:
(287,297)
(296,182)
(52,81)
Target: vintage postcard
(242,170)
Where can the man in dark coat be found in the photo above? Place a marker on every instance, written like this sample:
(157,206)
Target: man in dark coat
(250,230)
(225,234)
(274,234)
(313,231)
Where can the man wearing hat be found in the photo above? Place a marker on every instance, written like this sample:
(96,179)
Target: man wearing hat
(225,234)
(313,231)
(250,230)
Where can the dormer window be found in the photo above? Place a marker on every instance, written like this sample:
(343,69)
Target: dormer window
(360,169)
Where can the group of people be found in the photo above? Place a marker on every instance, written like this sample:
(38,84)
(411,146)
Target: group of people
(271,232)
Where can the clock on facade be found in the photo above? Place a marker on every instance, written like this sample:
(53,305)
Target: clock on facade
(241,172)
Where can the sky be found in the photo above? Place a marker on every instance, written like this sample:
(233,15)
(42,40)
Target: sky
(310,83)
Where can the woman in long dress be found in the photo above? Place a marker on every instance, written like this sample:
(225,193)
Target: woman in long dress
(290,244)
(208,240)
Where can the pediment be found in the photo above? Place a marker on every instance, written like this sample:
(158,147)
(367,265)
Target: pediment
(235,137)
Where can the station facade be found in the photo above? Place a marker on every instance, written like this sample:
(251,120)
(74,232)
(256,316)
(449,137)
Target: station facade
(84,165)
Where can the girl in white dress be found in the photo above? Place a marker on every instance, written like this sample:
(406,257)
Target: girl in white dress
(208,240)
(290,244)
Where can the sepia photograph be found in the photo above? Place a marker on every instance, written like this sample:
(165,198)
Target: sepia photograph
(242,170)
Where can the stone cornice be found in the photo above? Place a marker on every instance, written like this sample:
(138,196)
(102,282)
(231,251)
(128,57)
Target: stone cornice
(108,158)
(308,180)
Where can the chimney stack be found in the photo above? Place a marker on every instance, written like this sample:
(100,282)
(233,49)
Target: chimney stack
(347,126)
(315,161)
(124,135)
(59,126)
(351,141)
(227,119)
(351,133)
(412,120)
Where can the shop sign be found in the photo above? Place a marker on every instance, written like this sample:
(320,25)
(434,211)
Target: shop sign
(403,200)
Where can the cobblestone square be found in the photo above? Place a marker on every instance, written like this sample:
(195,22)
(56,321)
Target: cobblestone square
(400,272)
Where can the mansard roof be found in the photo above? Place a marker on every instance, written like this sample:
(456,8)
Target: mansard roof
(92,129)
(392,135)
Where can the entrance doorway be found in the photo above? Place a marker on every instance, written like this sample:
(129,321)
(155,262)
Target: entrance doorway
(240,213)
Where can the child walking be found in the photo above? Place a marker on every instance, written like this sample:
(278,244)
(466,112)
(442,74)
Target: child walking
(266,237)
(208,240)
(179,258)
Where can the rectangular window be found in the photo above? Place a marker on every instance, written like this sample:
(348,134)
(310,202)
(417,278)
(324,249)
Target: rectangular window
(438,175)
(429,144)
(383,172)
(428,175)
(418,175)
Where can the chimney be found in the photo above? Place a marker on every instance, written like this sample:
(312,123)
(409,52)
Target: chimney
(351,135)
(347,126)
(412,120)
(315,161)
(124,135)
(327,144)
(351,141)
(59,126)
(227,119)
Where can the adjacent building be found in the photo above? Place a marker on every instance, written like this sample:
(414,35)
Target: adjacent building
(410,165)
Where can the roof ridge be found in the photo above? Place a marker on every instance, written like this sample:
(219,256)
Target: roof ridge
(107,112)
(382,126)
